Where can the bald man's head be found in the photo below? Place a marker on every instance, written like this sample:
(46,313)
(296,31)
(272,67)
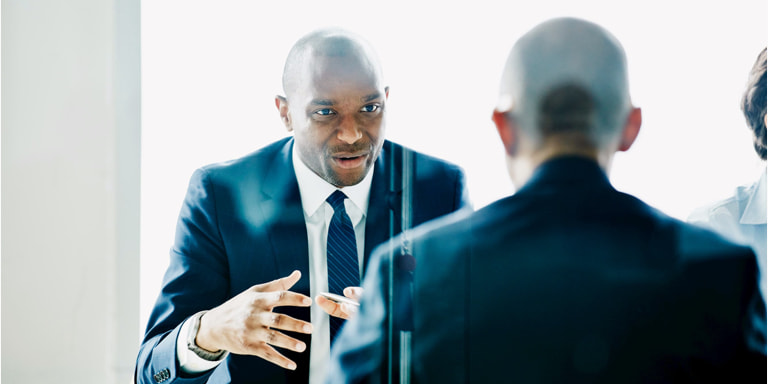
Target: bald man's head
(567,75)
(335,103)
(327,43)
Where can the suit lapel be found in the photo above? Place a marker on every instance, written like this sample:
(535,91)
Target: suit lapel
(285,223)
(286,227)
(384,207)
(287,232)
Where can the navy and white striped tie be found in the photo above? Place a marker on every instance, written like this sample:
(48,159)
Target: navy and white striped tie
(343,267)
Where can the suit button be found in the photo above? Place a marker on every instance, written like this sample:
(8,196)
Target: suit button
(162,376)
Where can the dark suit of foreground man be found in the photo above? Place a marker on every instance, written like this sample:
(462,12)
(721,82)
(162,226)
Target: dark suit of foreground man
(243,231)
(568,280)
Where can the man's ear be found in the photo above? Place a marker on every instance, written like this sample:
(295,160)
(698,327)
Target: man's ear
(386,93)
(282,107)
(507,130)
(631,129)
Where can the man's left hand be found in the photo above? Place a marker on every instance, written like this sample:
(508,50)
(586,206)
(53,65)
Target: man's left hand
(342,310)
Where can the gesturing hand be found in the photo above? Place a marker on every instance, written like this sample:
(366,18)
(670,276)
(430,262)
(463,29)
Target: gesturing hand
(246,325)
(342,310)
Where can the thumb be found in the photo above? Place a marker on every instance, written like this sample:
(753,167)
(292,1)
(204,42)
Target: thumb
(348,309)
(353,293)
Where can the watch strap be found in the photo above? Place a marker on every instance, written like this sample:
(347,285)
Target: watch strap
(192,345)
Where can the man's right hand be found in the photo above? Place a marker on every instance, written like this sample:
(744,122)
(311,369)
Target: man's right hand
(246,325)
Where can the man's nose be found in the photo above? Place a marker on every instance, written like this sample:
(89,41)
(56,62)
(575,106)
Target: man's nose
(349,131)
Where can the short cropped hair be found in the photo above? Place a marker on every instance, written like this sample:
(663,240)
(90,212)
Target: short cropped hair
(753,103)
(567,75)
(567,108)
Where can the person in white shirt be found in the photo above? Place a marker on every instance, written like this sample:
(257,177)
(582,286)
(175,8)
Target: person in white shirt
(742,217)
(253,242)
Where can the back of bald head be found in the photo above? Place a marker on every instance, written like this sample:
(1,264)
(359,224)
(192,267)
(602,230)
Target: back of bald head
(567,75)
(328,42)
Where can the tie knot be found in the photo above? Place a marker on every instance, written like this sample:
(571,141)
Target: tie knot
(336,200)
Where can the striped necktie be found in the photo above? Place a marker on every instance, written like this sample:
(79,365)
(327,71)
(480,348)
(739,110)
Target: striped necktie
(343,267)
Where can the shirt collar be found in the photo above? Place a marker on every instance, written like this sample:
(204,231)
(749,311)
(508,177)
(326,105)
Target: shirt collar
(314,189)
(755,210)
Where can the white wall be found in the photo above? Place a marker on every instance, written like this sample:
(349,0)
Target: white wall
(70,190)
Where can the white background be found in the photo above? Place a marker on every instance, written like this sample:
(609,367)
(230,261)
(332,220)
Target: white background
(210,71)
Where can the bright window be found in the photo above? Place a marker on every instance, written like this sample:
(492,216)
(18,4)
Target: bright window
(210,71)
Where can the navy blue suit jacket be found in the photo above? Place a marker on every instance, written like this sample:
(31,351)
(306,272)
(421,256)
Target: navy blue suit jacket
(242,224)
(566,281)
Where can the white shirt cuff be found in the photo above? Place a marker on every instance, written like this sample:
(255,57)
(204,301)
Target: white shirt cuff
(190,362)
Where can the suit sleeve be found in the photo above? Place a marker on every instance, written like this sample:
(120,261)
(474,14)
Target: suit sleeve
(749,358)
(196,279)
(461,192)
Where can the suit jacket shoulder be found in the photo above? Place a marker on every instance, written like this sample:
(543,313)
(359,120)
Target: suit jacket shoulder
(567,280)
(242,223)
(254,166)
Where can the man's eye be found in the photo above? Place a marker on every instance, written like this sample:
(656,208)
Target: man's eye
(325,112)
(370,108)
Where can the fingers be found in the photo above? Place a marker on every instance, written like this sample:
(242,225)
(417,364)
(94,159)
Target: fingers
(330,307)
(265,334)
(335,309)
(283,299)
(246,324)
(266,296)
(279,339)
(270,354)
(284,322)
(337,306)
(261,339)
(349,310)
(281,284)
(353,293)
(278,294)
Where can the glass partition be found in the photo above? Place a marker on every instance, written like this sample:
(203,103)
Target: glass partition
(209,82)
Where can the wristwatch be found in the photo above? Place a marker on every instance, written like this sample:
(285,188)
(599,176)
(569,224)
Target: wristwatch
(192,345)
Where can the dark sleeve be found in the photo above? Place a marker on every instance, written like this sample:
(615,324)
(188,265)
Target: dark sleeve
(461,192)
(732,325)
(749,360)
(196,279)
(755,358)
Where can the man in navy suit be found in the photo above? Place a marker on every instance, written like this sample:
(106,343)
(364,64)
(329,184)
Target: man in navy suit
(568,280)
(250,248)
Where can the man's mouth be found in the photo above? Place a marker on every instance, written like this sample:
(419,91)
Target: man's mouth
(350,161)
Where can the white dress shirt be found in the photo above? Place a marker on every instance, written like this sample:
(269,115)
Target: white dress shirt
(741,219)
(317,215)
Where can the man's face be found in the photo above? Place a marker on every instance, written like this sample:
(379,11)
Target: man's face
(337,115)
